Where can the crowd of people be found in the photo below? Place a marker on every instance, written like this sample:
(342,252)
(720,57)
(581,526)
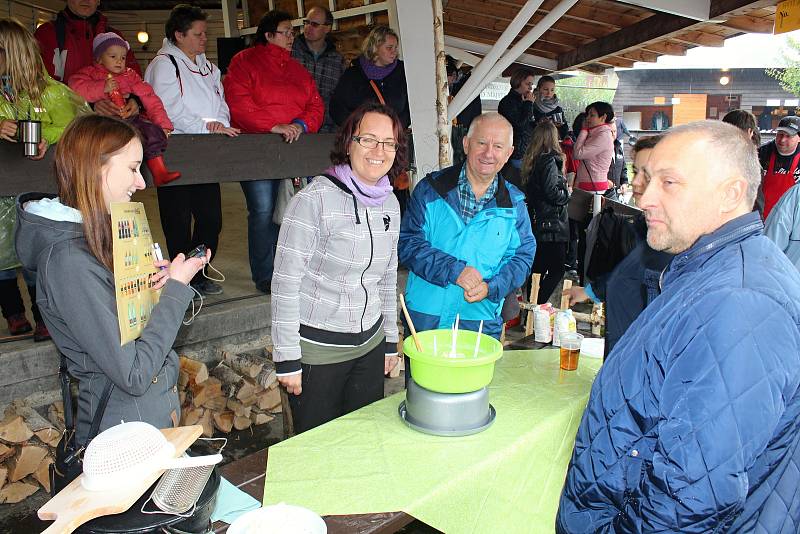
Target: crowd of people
(693,423)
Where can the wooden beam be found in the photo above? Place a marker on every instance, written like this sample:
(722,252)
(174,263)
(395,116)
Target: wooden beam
(203,159)
(565,26)
(699,38)
(666,47)
(750,24)
(460,33)
(640,55)
(543,44)
(487,24)
(651,29)
(618,61)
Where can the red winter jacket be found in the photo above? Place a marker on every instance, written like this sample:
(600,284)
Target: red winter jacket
(89,82)
(77,44)
(265,87)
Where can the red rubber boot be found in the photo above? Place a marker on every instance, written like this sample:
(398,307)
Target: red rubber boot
(160,173)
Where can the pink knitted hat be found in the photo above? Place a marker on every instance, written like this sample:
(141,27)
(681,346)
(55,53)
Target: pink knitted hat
(104,40)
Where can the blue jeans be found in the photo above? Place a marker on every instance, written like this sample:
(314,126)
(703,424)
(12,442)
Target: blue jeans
(262,233)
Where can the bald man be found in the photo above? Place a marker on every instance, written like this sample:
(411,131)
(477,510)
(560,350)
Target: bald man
(693,423)
(466,237)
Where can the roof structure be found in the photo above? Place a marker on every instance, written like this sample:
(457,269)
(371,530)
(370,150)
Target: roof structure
(592,34)
(597,34)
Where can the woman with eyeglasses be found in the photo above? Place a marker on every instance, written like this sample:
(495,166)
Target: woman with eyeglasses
(269,92)
(334,300)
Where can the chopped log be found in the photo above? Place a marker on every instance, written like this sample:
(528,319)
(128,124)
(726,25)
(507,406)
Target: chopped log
(209,389)
(51,436)
(55,414)
(182,397)
(260,418)
(32,418)
(247,393)
(3,476)
(247,364)
(223,421)
(197,371)
(42,473)
(183,379)
(269,399)
(266,378)
(191,416)
(239,409)
(25,461)
(16,492)
(231,380)
(14,430)
(216,404)
(240,423)
(206,423)
(5,453)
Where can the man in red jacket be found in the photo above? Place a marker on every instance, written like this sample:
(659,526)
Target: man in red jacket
(66,47)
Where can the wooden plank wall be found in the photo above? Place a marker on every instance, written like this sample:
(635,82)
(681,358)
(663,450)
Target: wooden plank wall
(131,22)
(350,32)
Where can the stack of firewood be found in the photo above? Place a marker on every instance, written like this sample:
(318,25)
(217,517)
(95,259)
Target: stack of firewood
(239,392)
(27,445)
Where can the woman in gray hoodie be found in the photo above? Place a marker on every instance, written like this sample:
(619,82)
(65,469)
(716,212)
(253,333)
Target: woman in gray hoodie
(67,241)
(334,291)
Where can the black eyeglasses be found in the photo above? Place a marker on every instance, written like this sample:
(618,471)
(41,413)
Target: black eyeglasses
(313,24)
(370,142)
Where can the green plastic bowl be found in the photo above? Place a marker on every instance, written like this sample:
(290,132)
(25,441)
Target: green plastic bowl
(442,374)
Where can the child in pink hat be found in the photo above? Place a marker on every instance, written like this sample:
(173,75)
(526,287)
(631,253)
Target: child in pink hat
(110,78)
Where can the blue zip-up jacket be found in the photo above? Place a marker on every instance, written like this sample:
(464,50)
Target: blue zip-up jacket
(693,423)
(436,246)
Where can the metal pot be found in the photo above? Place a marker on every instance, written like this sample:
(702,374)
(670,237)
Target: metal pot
(133,521)
(446,414)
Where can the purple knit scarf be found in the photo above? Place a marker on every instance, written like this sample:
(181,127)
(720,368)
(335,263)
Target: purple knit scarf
(371,196)
(374,72)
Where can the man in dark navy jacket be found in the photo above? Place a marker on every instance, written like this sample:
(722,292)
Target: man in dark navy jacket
(693,423)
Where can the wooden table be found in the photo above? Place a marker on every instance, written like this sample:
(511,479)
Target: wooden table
(248,473)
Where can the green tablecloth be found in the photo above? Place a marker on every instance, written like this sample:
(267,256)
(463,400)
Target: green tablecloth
(506,479)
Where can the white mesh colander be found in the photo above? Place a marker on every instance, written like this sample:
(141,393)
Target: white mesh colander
(126,452)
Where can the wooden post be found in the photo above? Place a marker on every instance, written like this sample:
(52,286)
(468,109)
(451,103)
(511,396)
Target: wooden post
(442,124)
(533,296)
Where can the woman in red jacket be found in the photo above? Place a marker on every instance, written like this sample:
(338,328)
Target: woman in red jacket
(269,92)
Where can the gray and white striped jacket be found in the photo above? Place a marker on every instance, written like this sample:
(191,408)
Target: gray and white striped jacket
(335,267)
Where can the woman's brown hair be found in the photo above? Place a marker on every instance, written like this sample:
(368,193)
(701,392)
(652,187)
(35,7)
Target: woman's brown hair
(543,140)
(341,148)
(86,146)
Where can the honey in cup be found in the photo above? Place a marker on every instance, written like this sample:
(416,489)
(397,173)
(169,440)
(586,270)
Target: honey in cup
(570,350)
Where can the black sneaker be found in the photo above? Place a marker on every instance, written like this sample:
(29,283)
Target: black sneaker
(208,287)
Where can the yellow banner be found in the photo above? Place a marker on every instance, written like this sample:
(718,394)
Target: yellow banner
(787,16)
(133,268)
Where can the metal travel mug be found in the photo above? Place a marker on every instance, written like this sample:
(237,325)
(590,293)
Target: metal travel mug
(30,134)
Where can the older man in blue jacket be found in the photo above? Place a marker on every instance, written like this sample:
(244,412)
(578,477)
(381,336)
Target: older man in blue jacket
(466,236)
(693,424)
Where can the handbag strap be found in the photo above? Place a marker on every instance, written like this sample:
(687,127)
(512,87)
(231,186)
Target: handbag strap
(377,92)
(66,395)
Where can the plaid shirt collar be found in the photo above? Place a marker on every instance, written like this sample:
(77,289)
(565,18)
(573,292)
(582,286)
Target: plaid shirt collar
(470,205)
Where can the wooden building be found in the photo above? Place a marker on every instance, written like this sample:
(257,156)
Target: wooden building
(655,99)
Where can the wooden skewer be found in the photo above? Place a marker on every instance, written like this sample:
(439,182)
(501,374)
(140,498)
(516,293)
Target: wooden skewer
(410,324)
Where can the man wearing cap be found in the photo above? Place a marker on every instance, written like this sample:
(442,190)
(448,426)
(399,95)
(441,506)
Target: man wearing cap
(66,47)
(779,160)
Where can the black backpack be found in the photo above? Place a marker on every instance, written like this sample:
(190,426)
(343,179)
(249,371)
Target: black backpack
(615,237)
